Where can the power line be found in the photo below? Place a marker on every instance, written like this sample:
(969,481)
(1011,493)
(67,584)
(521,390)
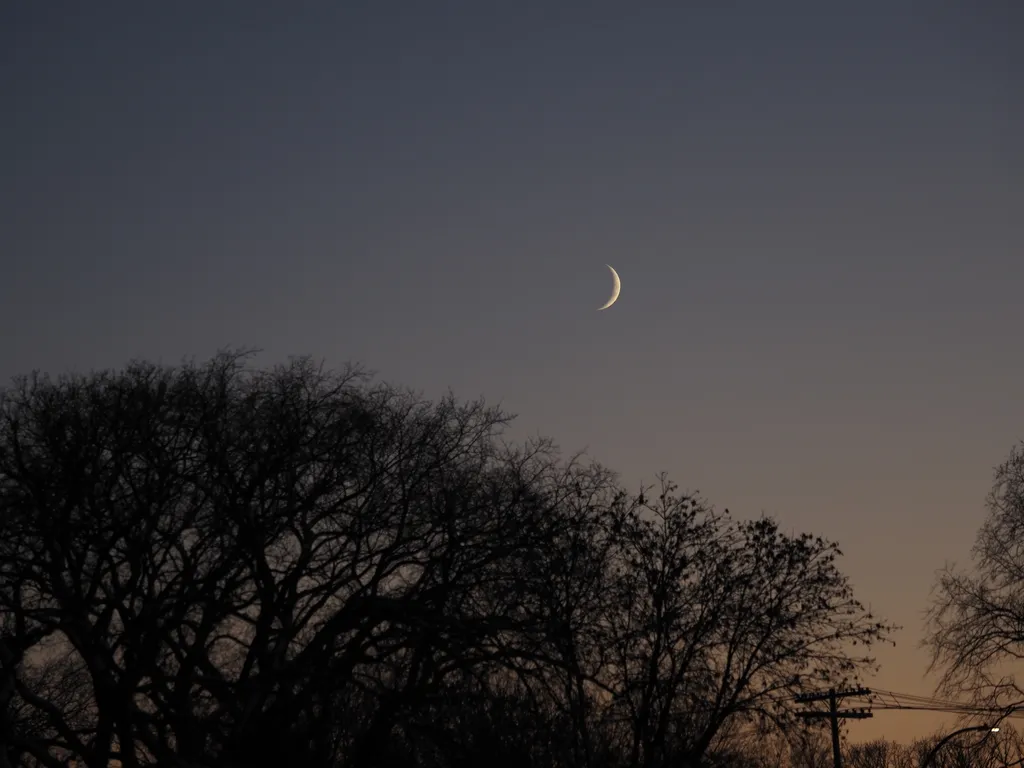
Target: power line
(882,699)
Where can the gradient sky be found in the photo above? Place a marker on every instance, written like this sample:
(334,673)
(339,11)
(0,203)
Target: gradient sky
(816,210)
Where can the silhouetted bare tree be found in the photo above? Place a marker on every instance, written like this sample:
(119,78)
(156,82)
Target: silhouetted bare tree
(210,565)
(223,554)
(976,621)
(719,620)
(873,754)
(810,747)
(970,750)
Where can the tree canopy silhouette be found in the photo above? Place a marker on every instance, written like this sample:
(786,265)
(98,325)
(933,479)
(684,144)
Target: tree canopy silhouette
(976,621)
(214,565)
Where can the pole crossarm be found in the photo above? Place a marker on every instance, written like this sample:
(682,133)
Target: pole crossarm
(806,698)
(834,714)
(850,715)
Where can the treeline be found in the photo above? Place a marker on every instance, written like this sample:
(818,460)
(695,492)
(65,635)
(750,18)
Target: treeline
(211,565)
(813,749)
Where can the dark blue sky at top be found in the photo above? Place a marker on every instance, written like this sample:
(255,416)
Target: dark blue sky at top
(815,208)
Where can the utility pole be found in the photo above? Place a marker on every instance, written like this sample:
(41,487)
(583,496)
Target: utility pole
(833,714)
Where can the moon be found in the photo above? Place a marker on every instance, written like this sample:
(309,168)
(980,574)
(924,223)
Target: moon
(616,287)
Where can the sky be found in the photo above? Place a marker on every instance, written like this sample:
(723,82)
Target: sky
(815,209)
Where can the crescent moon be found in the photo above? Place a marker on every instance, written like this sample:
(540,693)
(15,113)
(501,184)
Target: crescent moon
(616,287)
